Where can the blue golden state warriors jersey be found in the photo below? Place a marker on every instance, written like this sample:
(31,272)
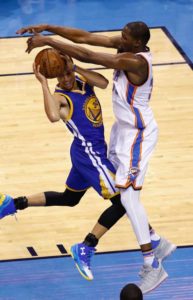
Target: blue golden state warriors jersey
(90,165)
(85,116)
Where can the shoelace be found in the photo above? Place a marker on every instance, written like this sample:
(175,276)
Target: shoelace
(144,270)
(90,253)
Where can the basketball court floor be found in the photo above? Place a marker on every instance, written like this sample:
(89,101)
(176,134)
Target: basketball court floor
(34,157)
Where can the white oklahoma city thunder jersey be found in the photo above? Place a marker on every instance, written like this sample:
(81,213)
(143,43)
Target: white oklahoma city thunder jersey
(131,102)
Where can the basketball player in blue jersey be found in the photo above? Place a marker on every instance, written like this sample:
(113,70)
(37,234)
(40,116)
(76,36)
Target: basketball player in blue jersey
(75,103)
(134,135)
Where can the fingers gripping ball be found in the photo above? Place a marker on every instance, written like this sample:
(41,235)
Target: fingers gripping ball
(51,64)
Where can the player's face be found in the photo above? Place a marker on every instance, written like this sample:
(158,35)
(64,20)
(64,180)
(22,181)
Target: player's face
(128,43)
(66,82)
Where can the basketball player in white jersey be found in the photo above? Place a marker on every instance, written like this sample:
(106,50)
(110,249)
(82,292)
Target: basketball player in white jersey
(134,135)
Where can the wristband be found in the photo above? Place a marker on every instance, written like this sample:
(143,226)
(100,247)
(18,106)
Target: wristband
(74,68)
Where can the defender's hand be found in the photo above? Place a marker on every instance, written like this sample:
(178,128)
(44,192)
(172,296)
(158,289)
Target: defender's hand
(32,28)
(36,41)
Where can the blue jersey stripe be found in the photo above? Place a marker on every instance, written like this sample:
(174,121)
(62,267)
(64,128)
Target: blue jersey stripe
(136,155)
(139,124)
(130,93)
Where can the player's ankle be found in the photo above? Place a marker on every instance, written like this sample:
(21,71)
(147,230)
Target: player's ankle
(21,202)
(90,240)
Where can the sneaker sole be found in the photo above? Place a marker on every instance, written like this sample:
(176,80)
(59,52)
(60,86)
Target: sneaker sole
(162,279)
(79,270)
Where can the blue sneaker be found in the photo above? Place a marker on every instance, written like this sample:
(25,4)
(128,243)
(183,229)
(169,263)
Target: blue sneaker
(82,255)
(7,206)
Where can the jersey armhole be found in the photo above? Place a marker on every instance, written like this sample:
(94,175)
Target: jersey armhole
(70,103)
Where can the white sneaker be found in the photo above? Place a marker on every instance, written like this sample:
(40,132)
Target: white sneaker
(164,249)
(152,277)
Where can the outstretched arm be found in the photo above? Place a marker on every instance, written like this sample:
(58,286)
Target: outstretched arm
(75,35)
(123,61)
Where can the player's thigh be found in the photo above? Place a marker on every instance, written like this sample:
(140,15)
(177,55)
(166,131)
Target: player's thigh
(148,146)
(100,174)
(75,181)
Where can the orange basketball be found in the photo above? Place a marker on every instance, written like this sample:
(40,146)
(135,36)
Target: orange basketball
(51,64)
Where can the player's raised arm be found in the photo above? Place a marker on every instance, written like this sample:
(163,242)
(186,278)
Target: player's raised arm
(52,108)
(93,78)
(75,35)
(123,61)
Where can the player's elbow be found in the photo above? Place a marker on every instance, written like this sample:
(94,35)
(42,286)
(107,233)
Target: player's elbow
(53,118)
(102,84)
(105,84)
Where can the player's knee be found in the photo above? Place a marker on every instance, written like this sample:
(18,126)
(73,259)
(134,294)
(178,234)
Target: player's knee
(67,198)
(113,213)
(71,202)
(71,198)
(116,200)
(131,202)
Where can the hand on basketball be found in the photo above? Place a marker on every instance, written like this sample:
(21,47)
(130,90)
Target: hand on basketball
(35,41)
(42,79)
(32,29)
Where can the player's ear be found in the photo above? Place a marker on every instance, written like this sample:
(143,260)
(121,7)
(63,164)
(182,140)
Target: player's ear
(138,43)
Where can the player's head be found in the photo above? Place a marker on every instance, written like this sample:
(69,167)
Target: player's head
(135,36)
(66,81)
(131,292)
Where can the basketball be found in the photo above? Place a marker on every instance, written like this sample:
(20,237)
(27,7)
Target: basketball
(51,64)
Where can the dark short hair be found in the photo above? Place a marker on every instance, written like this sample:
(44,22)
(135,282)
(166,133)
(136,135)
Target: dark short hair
(131,292)
(139,30)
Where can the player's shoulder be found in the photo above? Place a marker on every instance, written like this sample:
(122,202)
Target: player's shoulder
(59,95)
(145,57)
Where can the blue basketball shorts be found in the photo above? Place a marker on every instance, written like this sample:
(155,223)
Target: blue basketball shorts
(91,168)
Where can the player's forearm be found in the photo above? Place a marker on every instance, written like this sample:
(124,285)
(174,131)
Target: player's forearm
(84,37)
(82,54)
(93,78)
(51,109)
(77,52)
(73,34)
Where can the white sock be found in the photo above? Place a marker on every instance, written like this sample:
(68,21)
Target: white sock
(154,235)
(148,257)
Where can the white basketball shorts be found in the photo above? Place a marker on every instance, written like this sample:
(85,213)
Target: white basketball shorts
(129,151)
